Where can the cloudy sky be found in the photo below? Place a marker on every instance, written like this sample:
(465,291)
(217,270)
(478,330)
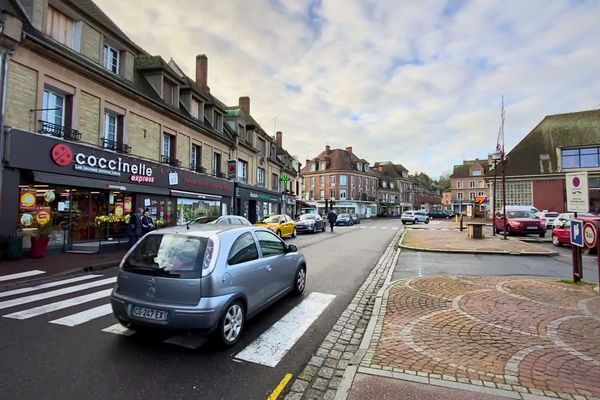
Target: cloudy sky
(417,82)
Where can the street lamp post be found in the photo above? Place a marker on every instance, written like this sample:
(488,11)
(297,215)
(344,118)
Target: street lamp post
(499,156)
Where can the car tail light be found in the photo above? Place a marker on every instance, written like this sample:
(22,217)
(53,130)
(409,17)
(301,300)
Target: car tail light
(210,257)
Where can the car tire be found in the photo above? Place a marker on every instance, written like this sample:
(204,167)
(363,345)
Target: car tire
(231,324)
(427,221)
(403,222)
(414,221)
(507,230)
(314,229)
(299,281)
(294,233)
(555,241)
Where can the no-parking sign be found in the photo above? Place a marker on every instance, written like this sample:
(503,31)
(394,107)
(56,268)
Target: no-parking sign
(590,234)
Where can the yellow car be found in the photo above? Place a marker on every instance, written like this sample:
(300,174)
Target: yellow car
(281,224)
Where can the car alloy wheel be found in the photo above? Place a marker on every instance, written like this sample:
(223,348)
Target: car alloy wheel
(300,281)
(232,323)
(314,229)
(555,241)
(427,221)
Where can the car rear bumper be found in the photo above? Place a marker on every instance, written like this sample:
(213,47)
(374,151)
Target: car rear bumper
(203,317)
(523,230)
(303,229)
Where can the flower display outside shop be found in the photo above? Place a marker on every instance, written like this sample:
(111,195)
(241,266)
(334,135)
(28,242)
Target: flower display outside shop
(111,219)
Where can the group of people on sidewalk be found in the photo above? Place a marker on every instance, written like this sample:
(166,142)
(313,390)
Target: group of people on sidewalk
(138,225)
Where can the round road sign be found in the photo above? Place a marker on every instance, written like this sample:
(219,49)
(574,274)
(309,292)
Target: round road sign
(590,234)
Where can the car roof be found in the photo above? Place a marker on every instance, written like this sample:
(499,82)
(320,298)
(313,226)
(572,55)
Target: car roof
(204,230)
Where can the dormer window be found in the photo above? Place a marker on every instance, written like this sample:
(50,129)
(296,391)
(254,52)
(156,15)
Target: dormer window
(359,167)
(111,59)
(60,27)
(218,122)
(313,167)
(391,185)
(476,172)
(322,165)
(197,109)
(170,92)
(384,184)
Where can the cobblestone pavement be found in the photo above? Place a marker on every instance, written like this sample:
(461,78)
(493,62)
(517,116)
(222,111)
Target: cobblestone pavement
(531,336)
(322,375)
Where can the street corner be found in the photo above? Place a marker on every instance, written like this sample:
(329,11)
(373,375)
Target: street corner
(508,334)
(455,241)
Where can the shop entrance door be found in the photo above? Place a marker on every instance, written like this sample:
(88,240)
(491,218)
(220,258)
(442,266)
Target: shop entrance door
(252,211)
(83,233)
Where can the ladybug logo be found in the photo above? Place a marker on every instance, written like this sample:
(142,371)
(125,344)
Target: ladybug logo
(62,155)
(231,169)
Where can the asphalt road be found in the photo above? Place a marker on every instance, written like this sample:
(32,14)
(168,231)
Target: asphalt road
(41,360)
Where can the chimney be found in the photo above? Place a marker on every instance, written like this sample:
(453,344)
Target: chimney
(307,162)
(349,149)
(278,139)
(327,149)
(202,73)
(245,104)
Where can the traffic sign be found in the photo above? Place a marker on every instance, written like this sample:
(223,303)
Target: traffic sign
(578,198)
(577,232)
(590,234)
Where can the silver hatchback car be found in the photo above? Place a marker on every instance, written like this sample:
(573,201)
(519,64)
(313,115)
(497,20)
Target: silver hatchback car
(210,278)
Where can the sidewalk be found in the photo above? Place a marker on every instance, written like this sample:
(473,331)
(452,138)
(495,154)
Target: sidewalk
(479,337)
(62,264)
(455,241)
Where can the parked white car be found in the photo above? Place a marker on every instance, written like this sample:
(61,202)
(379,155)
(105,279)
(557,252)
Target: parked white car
(548,216)
(414,217)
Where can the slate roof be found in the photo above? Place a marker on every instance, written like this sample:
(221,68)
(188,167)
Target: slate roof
(339,160)
(575,129)
(390,170)
(463,171)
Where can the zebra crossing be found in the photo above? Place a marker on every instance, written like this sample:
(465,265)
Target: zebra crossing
(393,228)
(39,300)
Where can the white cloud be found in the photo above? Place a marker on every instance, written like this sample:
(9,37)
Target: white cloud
(413,82)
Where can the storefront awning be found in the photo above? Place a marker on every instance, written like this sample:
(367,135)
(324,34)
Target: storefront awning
(67,180)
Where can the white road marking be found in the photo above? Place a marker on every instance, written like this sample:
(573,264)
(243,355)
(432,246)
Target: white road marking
(373,227)
(46,285)
(59,305)
(54,293)
(273,345)
(21,275)
(363,227)
(119,330)
(394,229)
(384,227)
(84,316)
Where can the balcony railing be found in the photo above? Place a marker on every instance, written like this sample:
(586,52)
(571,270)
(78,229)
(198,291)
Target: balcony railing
(197,168)
(116,146)
(218,174)
(170,161)
(48,128)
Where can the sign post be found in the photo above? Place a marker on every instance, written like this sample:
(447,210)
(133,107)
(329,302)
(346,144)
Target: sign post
(578,200)
(577,242)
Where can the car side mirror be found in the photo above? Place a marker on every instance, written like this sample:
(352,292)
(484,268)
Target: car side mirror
(291,248)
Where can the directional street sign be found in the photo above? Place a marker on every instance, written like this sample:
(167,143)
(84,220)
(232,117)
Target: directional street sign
(577,232)
(590,234)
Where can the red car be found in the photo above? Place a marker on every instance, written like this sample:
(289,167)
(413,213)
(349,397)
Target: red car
(561,234)
(520,222)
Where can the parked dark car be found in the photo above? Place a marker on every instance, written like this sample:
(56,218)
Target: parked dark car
(437,214)
(450,213)
(355,218)
(344,220)
(310,223)
(181,279)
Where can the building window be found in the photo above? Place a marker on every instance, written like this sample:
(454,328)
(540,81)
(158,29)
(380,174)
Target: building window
(218,122)
(459,196)
(343,194)
(471,195)
(480,184)
(260,177)
(322,180)
(352,180)
(196,109)
(275,182)
(459,185)
(384,184)
(217,164)
(113,133)
(332,194)
(322,165)
(59,27)
(476,172)
(312,181)
(242,171)
(168,149)
(332,180)
(111,59)
(480,194)
(471,184)
(322,194)
(586,157)
(170,92)
(196,158)
(359,166)
(262,148)
(343,180)
(54,108)
(391,185)
(313,167)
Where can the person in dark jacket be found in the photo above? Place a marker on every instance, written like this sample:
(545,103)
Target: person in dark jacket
(331,217)
(147,223)
(134,227)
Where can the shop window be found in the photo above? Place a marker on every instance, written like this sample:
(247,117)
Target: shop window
(217,165)
(242,171)
(260,177)
(196,159)
(194,209)
(111,59)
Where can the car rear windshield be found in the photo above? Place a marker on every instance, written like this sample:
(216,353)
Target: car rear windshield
(169,255)
(270,220)
(304,217)
(520,214)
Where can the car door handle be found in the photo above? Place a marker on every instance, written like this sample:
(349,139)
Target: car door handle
(268,268)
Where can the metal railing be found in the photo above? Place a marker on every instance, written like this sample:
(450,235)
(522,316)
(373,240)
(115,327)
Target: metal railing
(218,174)
(116,146)
(170,161)
(197,168)
(48,128)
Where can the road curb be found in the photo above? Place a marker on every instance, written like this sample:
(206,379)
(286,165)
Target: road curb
(466,251)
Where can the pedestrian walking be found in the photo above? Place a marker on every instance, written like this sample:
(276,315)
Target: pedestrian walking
(147,223)
(331,217)
(134,227)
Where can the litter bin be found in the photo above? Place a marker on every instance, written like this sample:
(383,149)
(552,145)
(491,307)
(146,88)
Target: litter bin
(475,231)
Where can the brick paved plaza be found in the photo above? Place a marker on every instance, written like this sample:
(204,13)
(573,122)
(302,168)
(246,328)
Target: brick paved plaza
(536,336)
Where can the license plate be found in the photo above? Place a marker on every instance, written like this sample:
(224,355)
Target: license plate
(149,313)
(532,227)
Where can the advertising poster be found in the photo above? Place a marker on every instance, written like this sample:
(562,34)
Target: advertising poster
(27,199)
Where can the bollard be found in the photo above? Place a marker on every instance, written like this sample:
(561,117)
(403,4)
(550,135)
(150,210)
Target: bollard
(456,219)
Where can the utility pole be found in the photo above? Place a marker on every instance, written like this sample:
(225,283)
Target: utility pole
(500,148)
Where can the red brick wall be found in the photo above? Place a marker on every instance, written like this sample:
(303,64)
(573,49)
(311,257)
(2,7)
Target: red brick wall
(549,195)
